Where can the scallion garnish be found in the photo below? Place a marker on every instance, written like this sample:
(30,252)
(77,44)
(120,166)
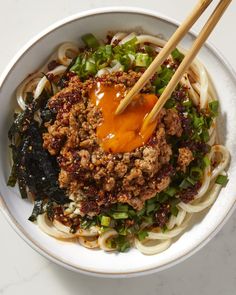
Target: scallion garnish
(222,180)
(171,191)
(141,212)
(196,173)
(187,182)
(142,60)
(105,220)
(150,208)
(122,243)
(142,235)
(206,161)
(174,210)
(90,41)
(120,215)
(177,55)
(214,106)
(122,207)
(170,103)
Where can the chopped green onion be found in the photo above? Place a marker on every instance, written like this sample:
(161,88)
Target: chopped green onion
(222,180)
(166,75)
(133,229)
(149,219)
(170,103)
(141,212)
(190,180)
(171,191)
(122,207)
(105,220)
(132,213)
(142,235)
(175,201)
(152,200)
(163,197)
(174,210)
(160,91)
(205,135)
(120,215)
(196,173)
(90,67)
(164,228)
(177,55)
(157,82)
(150,208)
(150,50)
(122,231)
(214,106)
(198,121)
(131,42)
(142,60)
(187,103)
(122,243)
(90,41)
(185,184)
(206,161)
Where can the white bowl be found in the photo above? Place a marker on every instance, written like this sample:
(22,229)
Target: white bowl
(71,255)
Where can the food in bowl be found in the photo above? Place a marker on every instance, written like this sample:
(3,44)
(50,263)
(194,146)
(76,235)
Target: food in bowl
(97,177)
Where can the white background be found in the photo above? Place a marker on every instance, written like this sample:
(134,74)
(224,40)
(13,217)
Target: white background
(22,270)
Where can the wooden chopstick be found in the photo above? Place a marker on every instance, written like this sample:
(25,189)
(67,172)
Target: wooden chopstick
(202,37)
(165,52)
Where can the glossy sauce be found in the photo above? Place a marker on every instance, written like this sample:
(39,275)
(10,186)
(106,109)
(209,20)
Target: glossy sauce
(121,133)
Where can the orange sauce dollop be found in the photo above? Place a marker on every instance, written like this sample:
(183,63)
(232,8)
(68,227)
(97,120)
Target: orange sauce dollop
(121,133)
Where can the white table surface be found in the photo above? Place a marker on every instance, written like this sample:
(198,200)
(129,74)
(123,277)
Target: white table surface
(22,270)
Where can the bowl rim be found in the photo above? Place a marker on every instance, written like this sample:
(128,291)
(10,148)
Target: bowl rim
(3,207)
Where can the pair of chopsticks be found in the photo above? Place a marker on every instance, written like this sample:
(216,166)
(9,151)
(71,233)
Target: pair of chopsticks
(166,51)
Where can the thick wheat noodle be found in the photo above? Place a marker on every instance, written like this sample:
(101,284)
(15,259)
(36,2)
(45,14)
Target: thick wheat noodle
(105,237)
(159,247)
(201,92)
(62,52)
(89,243)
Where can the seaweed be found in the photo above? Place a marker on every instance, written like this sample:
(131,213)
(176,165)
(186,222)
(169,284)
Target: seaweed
(37,210)
(34,168)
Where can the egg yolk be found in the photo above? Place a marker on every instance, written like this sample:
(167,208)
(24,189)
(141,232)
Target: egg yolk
(122,133)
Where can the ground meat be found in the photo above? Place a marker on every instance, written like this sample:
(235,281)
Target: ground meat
(188,195)
(104,178)
(162,215)
(173,123)
(185,158)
